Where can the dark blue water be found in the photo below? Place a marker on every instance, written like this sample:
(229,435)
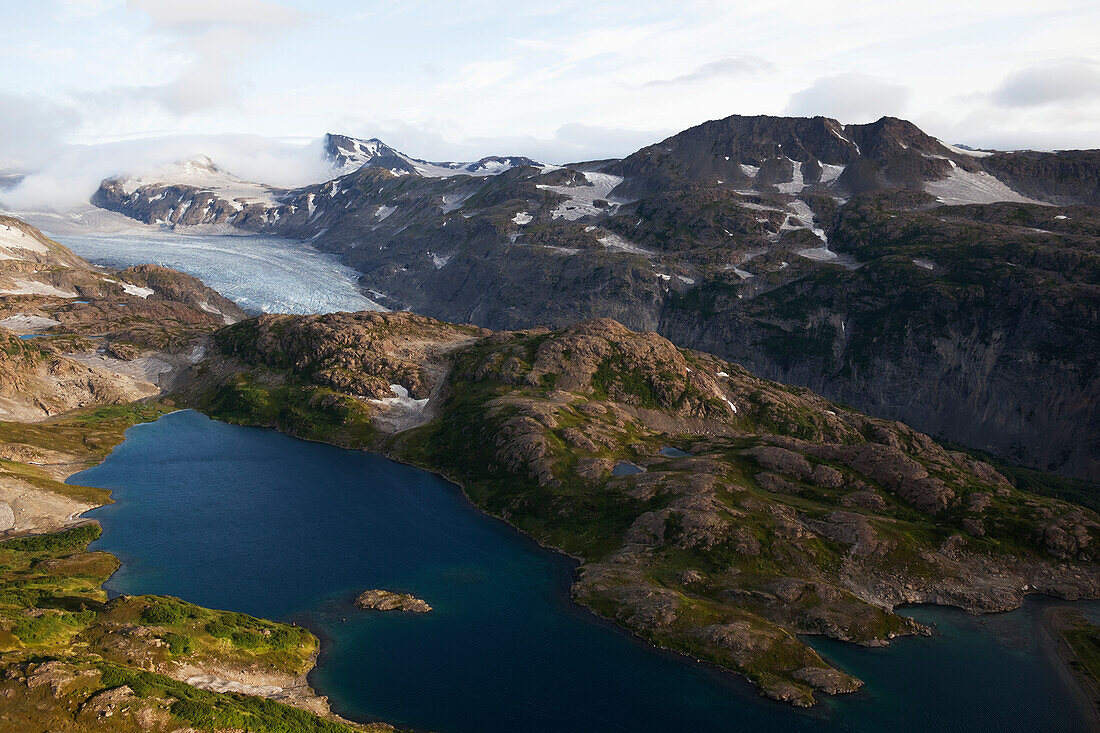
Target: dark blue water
(253,521)
(626,468)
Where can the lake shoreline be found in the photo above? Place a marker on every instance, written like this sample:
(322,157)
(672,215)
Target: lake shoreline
(1053,621)
(300,692)
(326,643)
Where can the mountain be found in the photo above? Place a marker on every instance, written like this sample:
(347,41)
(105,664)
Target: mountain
(197,192)
(86,353)
(77,335)
(954,289)
(349,154)
(192,192)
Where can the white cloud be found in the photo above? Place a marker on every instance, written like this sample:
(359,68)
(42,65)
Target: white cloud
(72,173)
(850,97)
(1052,82)
(558,81)
(200,16)
(33,128)
(734,66)
(66,10)
(214,36)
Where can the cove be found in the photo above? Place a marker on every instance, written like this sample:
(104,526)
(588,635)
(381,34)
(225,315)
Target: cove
(249,520)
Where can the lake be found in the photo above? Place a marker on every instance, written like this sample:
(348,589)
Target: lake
(249,520)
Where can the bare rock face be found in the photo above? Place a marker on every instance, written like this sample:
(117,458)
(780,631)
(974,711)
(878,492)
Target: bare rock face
(830,681)
(384,600)
(781,460)
(890,467)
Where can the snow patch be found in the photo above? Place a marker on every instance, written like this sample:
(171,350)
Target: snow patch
(615,242)
(582,199)
(965,187)
(797,182)
(402,400)
(22,322)
(14,238)
(522,218)
(964,151)
(818,254)
(33,287)
(136,290)
(830,173)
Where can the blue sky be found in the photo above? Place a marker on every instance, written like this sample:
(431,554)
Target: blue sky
(557,80)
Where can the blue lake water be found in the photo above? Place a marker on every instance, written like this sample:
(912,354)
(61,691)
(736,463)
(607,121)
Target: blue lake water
(251,520)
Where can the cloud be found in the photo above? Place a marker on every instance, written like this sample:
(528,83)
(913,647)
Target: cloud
(572,142)
(72,173)
(200,16)
(83,9)
(849,97)
(733,66)
(33,128)
(215,36)
(1052,82)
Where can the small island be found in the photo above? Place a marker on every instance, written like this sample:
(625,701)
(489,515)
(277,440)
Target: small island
(384,600)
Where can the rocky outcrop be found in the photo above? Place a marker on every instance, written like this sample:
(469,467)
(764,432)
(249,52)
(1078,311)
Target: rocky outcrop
(96,336)
(384,600)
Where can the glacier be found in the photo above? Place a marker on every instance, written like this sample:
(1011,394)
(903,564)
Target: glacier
(261,274)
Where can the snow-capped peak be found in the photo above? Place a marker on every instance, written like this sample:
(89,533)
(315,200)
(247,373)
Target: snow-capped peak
(349,154)
(200,172)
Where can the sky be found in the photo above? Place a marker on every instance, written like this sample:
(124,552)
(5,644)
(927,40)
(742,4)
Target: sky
(102,87)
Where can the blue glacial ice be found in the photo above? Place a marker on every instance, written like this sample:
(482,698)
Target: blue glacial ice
(260,274)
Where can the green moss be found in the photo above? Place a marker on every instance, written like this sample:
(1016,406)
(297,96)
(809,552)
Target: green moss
(212,711)
(57,542)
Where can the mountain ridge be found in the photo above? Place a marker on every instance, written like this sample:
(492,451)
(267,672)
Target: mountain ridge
(794,263)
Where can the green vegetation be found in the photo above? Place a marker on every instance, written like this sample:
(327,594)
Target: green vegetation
(56,620)
(297,408)
(68,540)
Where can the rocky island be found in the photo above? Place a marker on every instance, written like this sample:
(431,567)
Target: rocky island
(384,600)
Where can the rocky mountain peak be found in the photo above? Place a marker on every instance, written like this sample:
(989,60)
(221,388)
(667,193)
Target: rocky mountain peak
(350,154)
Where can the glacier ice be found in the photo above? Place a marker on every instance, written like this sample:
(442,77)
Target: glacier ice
(260,274)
